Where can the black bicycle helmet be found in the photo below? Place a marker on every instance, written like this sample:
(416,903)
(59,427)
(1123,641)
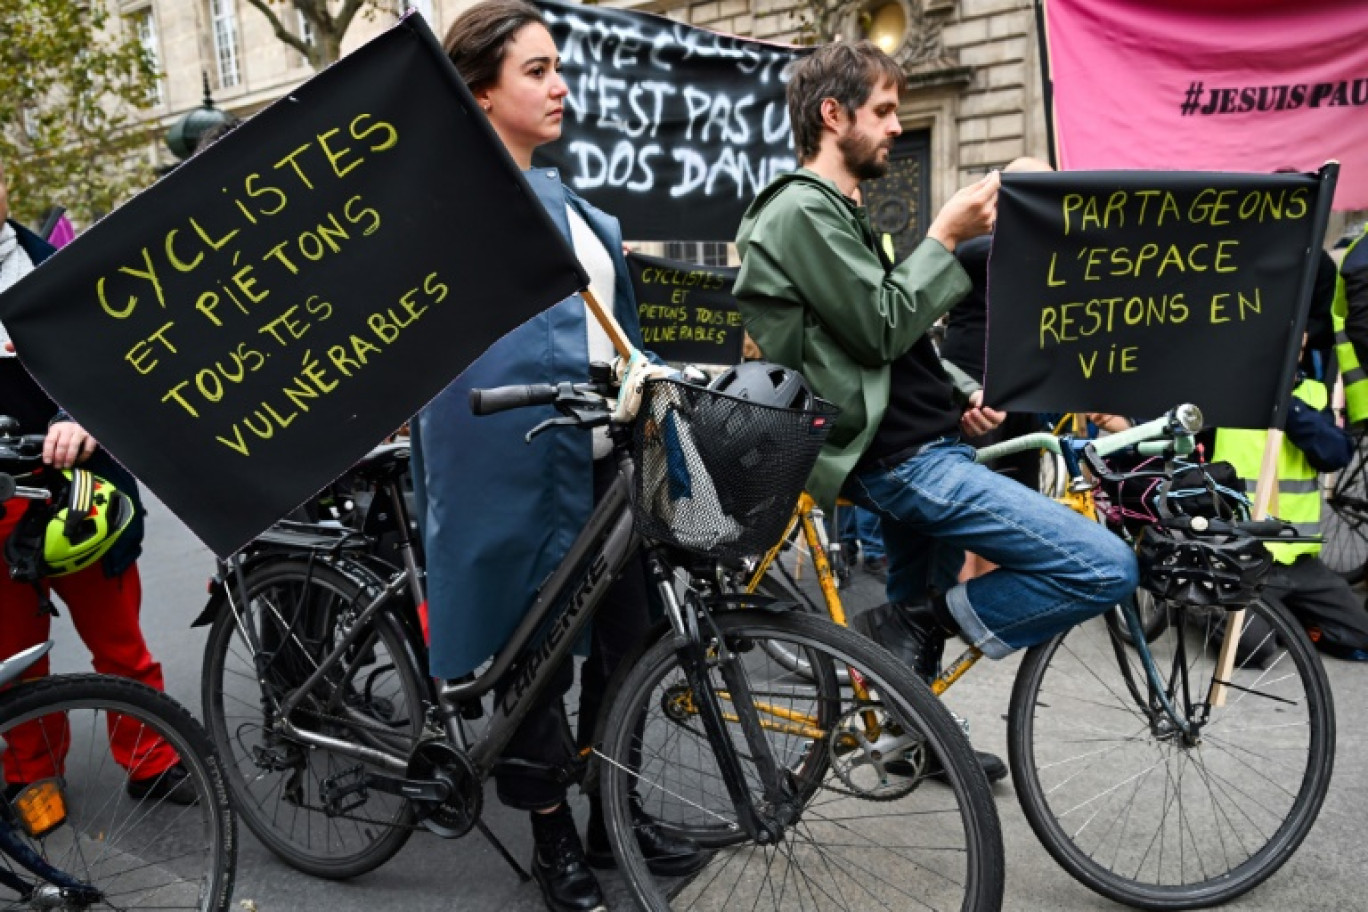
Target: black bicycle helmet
(764,383)
(1194,568)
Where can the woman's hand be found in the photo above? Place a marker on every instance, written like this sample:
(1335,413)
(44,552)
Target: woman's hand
(67,444)
(978,419)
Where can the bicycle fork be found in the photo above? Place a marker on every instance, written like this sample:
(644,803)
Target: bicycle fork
(695,658)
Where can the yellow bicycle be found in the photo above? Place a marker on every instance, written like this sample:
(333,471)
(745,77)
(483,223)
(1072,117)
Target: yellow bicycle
(1135,782)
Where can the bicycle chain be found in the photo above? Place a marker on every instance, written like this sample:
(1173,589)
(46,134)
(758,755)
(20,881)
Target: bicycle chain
(370,726)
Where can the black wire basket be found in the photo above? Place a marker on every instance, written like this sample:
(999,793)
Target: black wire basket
(717,475)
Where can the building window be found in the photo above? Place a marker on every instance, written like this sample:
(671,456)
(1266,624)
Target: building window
(224,18)
(145,27)
(306,35)
(705,253)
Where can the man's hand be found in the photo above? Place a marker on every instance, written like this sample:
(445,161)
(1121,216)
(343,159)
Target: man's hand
(978,419)
(67,444)
(969,213)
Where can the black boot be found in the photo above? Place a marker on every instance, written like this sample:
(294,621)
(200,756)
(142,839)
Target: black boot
(914,633)
(558,865)
(666,855)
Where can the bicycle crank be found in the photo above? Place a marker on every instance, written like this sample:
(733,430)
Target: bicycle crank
(872,755)
(459,808)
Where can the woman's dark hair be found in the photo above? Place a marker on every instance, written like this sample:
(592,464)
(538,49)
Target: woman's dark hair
(478,38)
(844,71)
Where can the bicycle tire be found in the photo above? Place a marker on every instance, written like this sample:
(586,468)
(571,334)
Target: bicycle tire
(779,584)
(1083,757)
(1344,518)
(939,846)
(1153,616)
(377,698)
(139,853)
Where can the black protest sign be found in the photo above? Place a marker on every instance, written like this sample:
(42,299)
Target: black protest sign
(242,332)
(671,128)
(688,312)
(1131,292)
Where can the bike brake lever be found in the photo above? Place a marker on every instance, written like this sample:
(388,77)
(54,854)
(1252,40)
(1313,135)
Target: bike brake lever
(547,425)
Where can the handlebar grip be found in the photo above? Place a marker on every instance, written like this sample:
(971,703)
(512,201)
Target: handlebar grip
(503,398)
(1112,443)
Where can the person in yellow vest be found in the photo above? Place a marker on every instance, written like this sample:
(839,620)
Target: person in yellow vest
(1317,596)
(1351,328)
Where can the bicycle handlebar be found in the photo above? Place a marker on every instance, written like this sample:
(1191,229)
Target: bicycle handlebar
(1150,430)
(1185,418)
(1041,440)
(503,398)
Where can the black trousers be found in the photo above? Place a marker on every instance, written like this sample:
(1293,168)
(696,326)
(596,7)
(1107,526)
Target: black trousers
(544,737)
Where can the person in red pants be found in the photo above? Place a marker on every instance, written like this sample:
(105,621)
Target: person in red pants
(104,599)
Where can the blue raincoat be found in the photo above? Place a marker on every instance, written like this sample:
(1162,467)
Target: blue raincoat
(499,514)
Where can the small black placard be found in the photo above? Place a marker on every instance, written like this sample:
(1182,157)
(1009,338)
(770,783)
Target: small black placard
(688,313)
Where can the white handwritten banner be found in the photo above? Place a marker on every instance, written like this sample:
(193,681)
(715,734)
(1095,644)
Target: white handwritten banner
(671,128)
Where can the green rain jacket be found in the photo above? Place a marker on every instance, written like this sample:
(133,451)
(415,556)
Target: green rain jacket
(817,296)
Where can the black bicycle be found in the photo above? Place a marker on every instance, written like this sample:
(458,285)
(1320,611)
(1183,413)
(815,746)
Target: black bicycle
(1345,519)
(339,746)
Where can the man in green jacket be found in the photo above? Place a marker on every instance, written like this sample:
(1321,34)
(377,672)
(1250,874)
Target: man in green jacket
(818,294)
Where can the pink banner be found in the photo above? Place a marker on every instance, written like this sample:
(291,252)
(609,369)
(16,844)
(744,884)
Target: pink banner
(1212,85)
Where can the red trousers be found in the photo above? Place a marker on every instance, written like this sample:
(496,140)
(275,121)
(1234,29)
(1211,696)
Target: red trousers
(106,614)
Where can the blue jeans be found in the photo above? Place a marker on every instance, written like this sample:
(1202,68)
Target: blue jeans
(1055,568)
(861,527)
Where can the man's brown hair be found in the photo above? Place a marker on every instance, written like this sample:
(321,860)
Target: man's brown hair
(844,71)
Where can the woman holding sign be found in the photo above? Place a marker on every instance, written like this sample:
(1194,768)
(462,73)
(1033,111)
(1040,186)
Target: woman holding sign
(500,514)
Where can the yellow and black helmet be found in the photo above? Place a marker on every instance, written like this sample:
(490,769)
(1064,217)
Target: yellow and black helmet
(82,520)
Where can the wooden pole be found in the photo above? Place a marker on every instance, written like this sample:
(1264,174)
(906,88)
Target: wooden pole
(610,324)
(1264,490)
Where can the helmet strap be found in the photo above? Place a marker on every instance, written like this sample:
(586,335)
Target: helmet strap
(45,605)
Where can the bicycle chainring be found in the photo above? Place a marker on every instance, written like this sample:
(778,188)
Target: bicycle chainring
(459,812)
(873,757)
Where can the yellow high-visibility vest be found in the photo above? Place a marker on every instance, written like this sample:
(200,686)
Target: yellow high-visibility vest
(1298,499)
(1355,378)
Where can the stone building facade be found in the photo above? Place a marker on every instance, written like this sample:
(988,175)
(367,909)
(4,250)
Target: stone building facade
(975,103)
(976,100)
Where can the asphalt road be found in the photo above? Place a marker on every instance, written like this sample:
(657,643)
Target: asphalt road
(1330,872)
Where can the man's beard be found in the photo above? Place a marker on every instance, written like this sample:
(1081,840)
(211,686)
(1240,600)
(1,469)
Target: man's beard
(861,156)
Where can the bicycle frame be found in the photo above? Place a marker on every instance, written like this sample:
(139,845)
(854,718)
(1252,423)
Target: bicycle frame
(1078,497)
(545,638)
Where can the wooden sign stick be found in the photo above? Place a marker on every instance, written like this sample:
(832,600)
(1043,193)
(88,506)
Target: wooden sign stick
(610,325)
(1263,495)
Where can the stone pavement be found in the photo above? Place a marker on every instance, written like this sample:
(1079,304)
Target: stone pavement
(1330,872)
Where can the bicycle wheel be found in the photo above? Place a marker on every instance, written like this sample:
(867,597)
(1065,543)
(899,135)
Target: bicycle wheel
(1132,809)
(1345,519)
(134,854)
(1152,614)
(779,584)
(856,832)
(374,698)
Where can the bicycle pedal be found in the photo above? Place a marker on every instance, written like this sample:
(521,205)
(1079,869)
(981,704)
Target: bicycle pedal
(344,792)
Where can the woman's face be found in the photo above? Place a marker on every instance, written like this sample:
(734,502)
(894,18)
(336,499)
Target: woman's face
(526,104)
